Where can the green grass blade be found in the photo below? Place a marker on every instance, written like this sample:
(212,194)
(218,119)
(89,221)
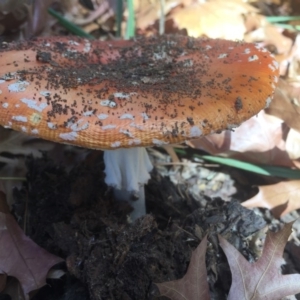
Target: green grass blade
(119,17)
(74,29)
(162,17)
(13,178)
(130,28)
(259,169)
(276,19)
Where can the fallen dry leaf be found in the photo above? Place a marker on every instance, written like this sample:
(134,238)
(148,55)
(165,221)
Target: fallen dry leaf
(215,19)
(254,21)
(293,61)
(262,279)
(286,104)
(258,140)
(270,35)
(193,286)
(147,12)
(21,257)
(292,144)
(285,194)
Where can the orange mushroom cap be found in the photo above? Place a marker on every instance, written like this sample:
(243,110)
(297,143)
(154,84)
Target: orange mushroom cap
(143,92)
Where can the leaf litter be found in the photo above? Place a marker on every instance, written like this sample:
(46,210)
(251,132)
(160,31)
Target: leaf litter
(281,198)
(193,285)
(21,257)
(280,127)
(257,280)
(262,279)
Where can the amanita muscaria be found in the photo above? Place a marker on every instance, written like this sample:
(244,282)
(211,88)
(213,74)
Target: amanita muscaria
(131,94)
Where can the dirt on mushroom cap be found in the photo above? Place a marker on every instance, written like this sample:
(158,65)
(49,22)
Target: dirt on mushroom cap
(144,92)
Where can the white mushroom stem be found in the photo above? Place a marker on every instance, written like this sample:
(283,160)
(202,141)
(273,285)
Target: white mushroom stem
(127,170)
(137,201)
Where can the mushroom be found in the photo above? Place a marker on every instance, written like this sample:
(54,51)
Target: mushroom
(122,96)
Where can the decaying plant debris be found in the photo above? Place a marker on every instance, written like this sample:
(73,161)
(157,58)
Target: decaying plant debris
(74,216)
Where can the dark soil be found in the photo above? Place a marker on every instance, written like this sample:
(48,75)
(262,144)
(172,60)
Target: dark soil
(74,215)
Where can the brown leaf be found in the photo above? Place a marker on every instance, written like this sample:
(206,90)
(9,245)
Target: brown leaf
(193,286)
(286,104)
(292,144)
(292,62)
(262,279)
(257,140)
(270,35)
(147,12)
(215,19)
(285,194)
(21,257)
